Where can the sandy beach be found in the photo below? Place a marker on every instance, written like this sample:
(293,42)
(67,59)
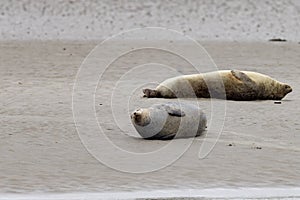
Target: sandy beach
(65,101)
(41,151)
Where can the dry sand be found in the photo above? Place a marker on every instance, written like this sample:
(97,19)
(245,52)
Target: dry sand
(205,20)
(40,150)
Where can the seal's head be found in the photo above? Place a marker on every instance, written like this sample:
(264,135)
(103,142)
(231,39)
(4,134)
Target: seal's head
(288,88)
(285,89)
(141,117)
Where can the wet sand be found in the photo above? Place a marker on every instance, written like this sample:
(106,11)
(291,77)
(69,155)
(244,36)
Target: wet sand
(40,150)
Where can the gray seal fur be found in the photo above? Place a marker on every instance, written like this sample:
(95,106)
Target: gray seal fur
(169,120)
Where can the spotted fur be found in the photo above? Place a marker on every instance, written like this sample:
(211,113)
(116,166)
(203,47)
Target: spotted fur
(225,84)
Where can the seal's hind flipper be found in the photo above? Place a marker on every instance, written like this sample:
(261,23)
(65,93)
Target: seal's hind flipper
(174,111)
(151,93)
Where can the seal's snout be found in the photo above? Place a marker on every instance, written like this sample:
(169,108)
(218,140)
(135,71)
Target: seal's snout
(136,114)
(132,115)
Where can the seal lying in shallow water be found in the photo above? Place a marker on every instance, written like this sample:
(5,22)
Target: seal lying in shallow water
(224,84)
(168,121)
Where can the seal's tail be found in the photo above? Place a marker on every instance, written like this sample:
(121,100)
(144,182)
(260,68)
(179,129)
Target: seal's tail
(151,93)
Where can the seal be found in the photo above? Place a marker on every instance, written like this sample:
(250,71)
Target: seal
(224,84)
(169,120)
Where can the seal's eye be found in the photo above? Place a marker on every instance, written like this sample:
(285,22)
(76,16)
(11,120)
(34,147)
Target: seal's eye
(287,87)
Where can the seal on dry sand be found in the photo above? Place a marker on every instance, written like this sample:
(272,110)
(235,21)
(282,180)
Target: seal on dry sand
(224,84)
(169,120)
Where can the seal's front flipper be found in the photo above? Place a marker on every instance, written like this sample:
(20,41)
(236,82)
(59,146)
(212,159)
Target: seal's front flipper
(243,77)
(151,93)
(250,90)
(174,111)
